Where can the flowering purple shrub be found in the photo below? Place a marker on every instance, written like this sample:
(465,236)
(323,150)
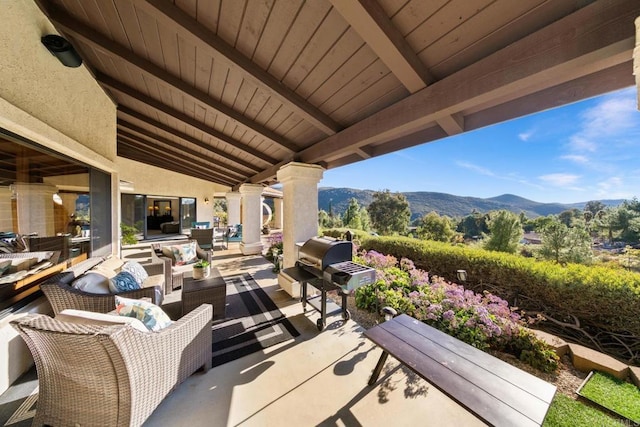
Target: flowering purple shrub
(482,320)
(275,242)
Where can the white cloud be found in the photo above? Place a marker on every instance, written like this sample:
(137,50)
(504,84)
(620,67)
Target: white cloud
(475,168)
(576,158)
(524,136)
(610,184)
(560,179)
(611,120)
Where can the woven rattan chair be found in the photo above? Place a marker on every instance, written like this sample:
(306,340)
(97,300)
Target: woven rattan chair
(62,296)
(204,237)
(174,275)
(92,375)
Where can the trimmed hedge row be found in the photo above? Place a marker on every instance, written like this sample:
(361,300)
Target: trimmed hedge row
(599,298)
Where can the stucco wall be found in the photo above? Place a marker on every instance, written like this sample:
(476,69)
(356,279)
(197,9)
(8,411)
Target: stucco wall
(67,99)
(156,181)
(58,107)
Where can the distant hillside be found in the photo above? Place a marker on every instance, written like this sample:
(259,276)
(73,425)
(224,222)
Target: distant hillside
(423,202)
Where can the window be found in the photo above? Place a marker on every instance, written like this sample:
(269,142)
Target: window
(48,203)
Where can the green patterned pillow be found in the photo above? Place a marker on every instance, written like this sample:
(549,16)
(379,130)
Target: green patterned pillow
(150,314)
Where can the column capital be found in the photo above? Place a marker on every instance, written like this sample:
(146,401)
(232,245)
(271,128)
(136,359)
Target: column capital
(299,171)
(251,189)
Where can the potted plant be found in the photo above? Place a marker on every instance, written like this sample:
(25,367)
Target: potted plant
(201,269)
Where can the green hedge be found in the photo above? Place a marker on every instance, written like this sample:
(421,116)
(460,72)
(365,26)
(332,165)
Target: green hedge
(602,299)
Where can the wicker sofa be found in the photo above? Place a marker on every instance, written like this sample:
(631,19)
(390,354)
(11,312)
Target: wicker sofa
(174,274)
(111,375)
(61,295)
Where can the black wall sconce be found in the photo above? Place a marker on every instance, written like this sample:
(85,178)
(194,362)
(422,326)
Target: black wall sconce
(62,49)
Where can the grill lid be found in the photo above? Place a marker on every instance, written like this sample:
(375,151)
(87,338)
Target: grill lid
(320,252)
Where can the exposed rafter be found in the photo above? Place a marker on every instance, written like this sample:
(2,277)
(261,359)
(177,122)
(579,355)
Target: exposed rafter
(373,25)
(168,14)
(122,110)
(162,160)
(594,38)
(115,85)
(171,148)
(98,41)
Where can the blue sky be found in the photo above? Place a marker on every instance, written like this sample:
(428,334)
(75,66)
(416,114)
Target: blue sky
(584,151)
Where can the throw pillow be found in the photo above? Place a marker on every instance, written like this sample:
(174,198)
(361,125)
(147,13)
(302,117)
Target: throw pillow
(123,281)
(185,254)
(149,314)
(92,283)
(81,317)
(136,270)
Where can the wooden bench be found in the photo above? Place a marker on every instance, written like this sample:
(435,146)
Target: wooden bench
(494,391)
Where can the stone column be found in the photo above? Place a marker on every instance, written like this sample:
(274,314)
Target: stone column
(277,213)
(300,189)
(251,218)
(233,208)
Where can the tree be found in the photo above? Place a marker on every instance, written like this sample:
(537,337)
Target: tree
(505,232)
(351,217)
(327,221)
(435,227)
(473,225)
(563,244)
(594,206)
(569,216)
(389,213)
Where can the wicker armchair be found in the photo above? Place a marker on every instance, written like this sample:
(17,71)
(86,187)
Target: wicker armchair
(204,237)
(174,275)
(111,375)
(61,295)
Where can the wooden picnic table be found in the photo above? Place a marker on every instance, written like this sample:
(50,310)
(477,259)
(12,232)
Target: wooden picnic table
(496,392)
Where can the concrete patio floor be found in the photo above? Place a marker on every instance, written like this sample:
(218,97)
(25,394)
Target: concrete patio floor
(317,379)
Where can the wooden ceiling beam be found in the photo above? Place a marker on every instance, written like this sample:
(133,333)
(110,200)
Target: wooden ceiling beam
(173,17)
(91,37)
(171,162)
(124,129)
(376,29)
(596,37)
(113,84)
(371,22)
(122,110)
(130,151)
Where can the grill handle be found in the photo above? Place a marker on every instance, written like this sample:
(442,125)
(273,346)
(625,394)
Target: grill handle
(306,262)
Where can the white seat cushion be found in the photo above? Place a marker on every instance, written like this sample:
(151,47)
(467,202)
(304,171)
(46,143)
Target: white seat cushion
(90,318)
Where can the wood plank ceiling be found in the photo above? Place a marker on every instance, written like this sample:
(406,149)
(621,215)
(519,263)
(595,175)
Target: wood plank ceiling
(230,90)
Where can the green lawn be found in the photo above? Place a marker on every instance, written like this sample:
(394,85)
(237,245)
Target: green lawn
(565,411)
(617,395)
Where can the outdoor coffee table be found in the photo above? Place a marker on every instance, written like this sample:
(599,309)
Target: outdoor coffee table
(212,290)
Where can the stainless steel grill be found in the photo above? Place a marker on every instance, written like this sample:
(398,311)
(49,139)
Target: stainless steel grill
(326,265)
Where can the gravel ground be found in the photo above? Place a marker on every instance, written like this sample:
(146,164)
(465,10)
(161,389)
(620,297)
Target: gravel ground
(567,379)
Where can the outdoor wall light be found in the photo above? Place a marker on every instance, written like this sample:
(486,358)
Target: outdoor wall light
(462,275)
(206,200)
(62,49)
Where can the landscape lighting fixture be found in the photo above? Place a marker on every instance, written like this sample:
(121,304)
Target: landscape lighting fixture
(462,275)
(62,49)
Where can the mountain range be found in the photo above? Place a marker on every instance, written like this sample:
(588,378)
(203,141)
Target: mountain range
(423,202)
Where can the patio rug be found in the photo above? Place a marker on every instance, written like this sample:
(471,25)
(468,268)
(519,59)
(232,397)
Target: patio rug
(253,322)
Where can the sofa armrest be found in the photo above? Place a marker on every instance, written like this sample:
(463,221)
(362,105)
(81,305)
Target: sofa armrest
(168,276)
(62,296)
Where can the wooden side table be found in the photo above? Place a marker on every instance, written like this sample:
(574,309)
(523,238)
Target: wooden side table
(212,290)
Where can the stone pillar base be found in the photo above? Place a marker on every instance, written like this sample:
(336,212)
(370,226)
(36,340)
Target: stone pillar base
(289,285)
(251,248)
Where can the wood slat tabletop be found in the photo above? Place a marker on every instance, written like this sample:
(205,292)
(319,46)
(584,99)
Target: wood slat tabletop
(495,391)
